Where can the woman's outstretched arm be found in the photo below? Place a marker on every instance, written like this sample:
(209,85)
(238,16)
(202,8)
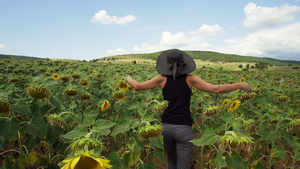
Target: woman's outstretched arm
(149,84)
(195,81)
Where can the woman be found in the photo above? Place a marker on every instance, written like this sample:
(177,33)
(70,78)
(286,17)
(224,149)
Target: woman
(173,66)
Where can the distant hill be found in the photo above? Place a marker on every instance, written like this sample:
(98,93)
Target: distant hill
(214,57)
(2,56)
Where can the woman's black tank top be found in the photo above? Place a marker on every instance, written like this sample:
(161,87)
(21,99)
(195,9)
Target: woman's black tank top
(178,94)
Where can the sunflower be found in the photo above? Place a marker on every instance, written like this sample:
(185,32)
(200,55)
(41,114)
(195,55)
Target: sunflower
(84,82)
(55,76)
(57,120)
(4,106)
(294,124)
(38,92)
(86,96)
(123,85)
(65,78)
(76,76)
(119,96)
(105,105)
(248,96)
(225,103)
(71,91)
(242,79)
(211,111)
(94,71)
(160,106)
(234,105)
(236,141)
(86,161)
(81,143)
(283,99)
(150,131)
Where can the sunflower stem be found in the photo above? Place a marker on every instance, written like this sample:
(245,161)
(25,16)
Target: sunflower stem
(11,150)
(202,158)
(19,143)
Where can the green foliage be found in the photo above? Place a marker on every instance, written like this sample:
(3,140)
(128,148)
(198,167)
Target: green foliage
(261,65)
(212,56)
(2,56)
(56,127)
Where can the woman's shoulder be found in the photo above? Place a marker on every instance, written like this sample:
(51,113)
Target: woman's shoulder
(193,78)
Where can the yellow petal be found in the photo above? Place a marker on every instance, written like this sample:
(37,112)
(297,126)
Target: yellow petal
(66,161)
(68,165)
(103,162)
(86,154)
(74,162)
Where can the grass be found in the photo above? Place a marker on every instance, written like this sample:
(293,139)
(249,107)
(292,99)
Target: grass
(199,63)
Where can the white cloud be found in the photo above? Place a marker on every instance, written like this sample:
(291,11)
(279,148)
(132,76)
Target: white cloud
(178,39)
(1,47)
(258,16)
(280,43)
(104,18)
(182,40)
(118,51)
(210,30)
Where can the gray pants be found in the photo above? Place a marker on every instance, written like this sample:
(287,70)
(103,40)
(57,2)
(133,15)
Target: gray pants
(176,143)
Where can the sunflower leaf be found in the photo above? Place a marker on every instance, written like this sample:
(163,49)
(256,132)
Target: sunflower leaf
(115,160)
(209,137)
(77,132)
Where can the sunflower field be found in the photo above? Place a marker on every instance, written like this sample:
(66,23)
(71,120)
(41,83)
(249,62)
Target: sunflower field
(62,114)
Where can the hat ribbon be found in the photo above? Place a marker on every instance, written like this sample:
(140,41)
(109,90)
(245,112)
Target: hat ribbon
(176,68)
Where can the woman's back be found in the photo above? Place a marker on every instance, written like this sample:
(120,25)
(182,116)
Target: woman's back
(178,94)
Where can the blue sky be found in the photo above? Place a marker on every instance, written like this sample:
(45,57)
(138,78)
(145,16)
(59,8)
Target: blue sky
(91,29)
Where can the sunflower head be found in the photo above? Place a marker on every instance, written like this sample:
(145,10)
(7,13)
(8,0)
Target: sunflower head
(65,78)
(4,106)
(76,76)
(86,161)
(248,125)
(55,76)
(84,82)
(71,92)
(283,98)
(242,79)
(123,85)
(294,124)
(247,96)
(13,80)
(105,105)
(56,120)
(225,102)
(119,95)
(234,105)
(38,92)
(99,75)
(150,131)
(211,111)
(83,143)
(160,106)
(236,141)
(86,97)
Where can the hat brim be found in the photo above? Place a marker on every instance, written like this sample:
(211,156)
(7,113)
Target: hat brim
(162,66)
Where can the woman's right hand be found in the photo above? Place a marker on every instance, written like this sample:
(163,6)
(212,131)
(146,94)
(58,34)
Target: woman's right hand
(246,87)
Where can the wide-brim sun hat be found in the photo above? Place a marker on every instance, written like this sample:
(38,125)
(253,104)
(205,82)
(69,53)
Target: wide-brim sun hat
(168,57)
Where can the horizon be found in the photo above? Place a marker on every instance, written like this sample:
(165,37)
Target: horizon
(91,30)
(139,54)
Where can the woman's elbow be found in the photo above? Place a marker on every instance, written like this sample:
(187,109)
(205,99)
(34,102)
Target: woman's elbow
(217,90)
(137,87)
